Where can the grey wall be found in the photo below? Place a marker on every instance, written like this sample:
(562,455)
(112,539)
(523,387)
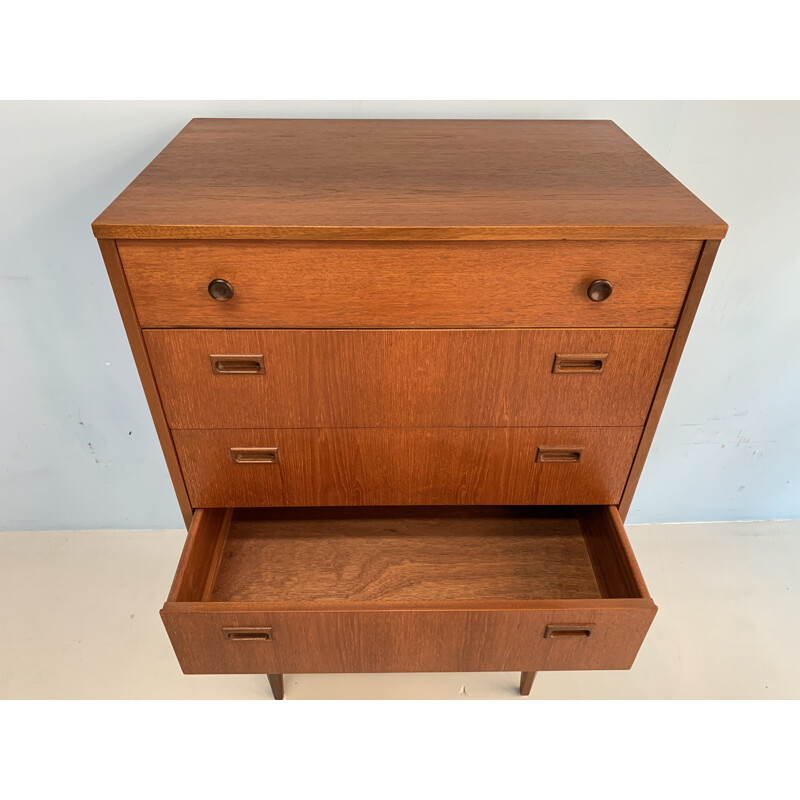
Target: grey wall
(78,449)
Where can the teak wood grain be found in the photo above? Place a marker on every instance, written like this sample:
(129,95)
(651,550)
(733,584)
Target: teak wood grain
(605,551)
(409,640)
(119,285)
(408,284)
(407,179)
(404,293)
(692,301)
(198,563)
(406,466)
(394,558)
(276,685)
(407,378)
(526,683)
(371,634)
(615,566)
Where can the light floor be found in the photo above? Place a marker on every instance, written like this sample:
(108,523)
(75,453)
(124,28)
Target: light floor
(79,619)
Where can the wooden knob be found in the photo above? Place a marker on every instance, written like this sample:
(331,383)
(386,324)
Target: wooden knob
(220,290)
(599,291)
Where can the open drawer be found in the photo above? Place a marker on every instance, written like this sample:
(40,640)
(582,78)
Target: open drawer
(407,589)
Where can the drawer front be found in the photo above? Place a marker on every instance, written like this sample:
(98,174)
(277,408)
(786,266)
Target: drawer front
(405,466)
(406,378)
(426,640)
(409,284)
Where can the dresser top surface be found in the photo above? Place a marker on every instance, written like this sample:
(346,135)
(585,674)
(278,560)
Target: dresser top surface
(405,179)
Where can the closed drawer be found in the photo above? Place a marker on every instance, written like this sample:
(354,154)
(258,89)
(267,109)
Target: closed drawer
(408,284)
(403,590)
(405,466)
(406,378)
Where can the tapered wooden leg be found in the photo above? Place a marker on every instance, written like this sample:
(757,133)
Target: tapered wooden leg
(276,684)
(525,683)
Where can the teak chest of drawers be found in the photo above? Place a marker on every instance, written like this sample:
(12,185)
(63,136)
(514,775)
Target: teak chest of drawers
(405,375)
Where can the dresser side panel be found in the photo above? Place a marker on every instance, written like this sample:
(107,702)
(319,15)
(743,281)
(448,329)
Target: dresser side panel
(694,294)
(119,284)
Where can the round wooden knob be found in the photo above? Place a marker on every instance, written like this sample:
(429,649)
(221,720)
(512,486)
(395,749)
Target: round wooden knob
(599,291)
(220,290)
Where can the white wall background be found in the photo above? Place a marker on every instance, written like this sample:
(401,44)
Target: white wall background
(78,448)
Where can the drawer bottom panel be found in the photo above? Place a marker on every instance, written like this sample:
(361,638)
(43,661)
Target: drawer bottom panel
(407,590)
(405,466)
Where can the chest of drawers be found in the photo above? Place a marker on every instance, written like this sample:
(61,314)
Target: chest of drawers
(405,375)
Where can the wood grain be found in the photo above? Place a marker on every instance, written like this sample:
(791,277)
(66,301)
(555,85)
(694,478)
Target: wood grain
(688,311)
(418,559)
(402,640)
(116,276)
(526,683)
(199,559)
(276,685)
(434,179)
(400,632)
(406,466)
(408,284)
(618,574)
(407,378)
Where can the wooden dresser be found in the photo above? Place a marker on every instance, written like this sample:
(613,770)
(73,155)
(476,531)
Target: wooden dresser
(405,374)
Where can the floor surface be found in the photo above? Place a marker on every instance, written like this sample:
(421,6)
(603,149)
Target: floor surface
(79,620)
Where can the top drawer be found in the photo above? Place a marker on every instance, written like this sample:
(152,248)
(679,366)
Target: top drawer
(408,284)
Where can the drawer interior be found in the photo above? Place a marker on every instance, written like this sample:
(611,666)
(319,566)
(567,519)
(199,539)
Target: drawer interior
(406,556)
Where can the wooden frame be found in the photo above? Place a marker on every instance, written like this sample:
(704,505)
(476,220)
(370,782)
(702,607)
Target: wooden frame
(119,284)
(699,279)
(346,238)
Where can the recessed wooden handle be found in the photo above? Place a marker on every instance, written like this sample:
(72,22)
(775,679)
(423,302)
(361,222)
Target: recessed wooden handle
(237,365)
(248,634)
(593,363)
(254,455)
(569,631)
(559,455)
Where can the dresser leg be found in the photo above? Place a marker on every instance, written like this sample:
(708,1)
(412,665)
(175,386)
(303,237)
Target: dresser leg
(276,684)
(525,683)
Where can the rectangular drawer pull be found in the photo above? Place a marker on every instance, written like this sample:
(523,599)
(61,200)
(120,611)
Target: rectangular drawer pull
(254,455)
(248,634)
(568,364)
(559,455)
(237,365)
(569,631)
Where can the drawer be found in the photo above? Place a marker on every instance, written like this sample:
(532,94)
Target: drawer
(406,378)
(405,466)
(407,590)
(408,284)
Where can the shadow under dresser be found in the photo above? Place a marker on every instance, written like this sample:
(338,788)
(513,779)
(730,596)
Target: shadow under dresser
(405,375)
